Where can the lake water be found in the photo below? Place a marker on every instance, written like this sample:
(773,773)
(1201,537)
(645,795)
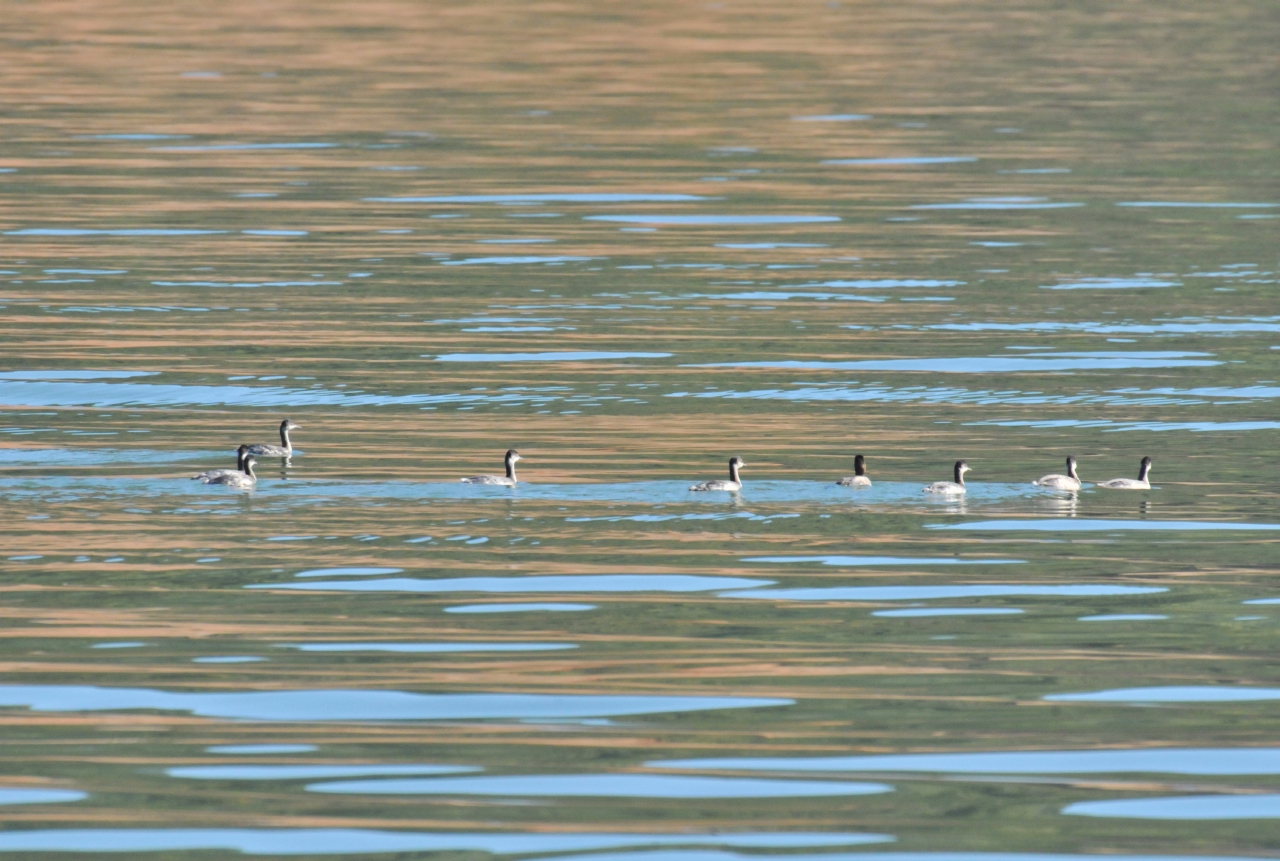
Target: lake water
(632,241)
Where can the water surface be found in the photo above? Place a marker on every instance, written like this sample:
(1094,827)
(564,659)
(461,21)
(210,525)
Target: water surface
(631,242)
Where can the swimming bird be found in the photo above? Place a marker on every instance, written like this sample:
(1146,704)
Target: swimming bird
(209,474)
(950,488)
(733,485)
(859,479)
(1142,482)
(509,480)
(1070,481)
(285,449)
(240,480)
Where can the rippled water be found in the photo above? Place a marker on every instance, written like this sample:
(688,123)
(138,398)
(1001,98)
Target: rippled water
(632,242)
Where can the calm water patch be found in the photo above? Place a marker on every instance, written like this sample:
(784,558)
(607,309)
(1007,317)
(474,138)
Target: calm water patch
(719,855)
(716,219)
(358,705)
(29,795)
(1213,326)
(244,146)
(308,772)
(129,644)
(563,356)
(1175,204)
(428,648)
(361,841)
(1168,760)
(603,583)
(1130,427)
(241,284)
(347,572)
(1085,524)
(1172,694)
(513,261)
(939,394)
(883,283)
(66,393)
(832,118)
(261,749)
(928,612)
(1182,808)
(1110,284)
(605,786)
(852,561)
(228,659)
(999,203)
(137,231)
(781,296)
(520,608)
(769,245)
(903,160)
(588,197)
(926,593)
(1029,364)
(1123,617)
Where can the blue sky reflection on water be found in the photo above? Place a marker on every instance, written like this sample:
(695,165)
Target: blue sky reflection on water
(604,786)
(354,705)
(1165,760)
(1182,808)
(360,841)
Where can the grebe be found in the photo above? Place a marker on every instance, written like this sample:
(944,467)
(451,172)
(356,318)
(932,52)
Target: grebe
(733,485)
(1070,481)
(509,480)
(285,449)
(240,480)
(859,479)
(950,488)
(211,474)
(1142,482)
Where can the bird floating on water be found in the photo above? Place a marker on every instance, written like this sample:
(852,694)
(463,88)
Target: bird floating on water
(509,480)
(733,485)
(950,488)
(285,449)
(1070,481)
(1141,483)
(210,474)
(245,480)
(859,478)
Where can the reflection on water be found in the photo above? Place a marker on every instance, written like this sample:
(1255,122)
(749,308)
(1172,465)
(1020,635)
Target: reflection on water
(1262,760)
(1123,617)
(21,795)
(601,583)
(606,785)
(924,593)
(307,772)
(358,841)
(859,561)
(260,749)
(427,648)
(1173,694)
(349,705)
(1183,808)
(1084,524)
(1032,363)
(927,612)
(520,608)
(631,242)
